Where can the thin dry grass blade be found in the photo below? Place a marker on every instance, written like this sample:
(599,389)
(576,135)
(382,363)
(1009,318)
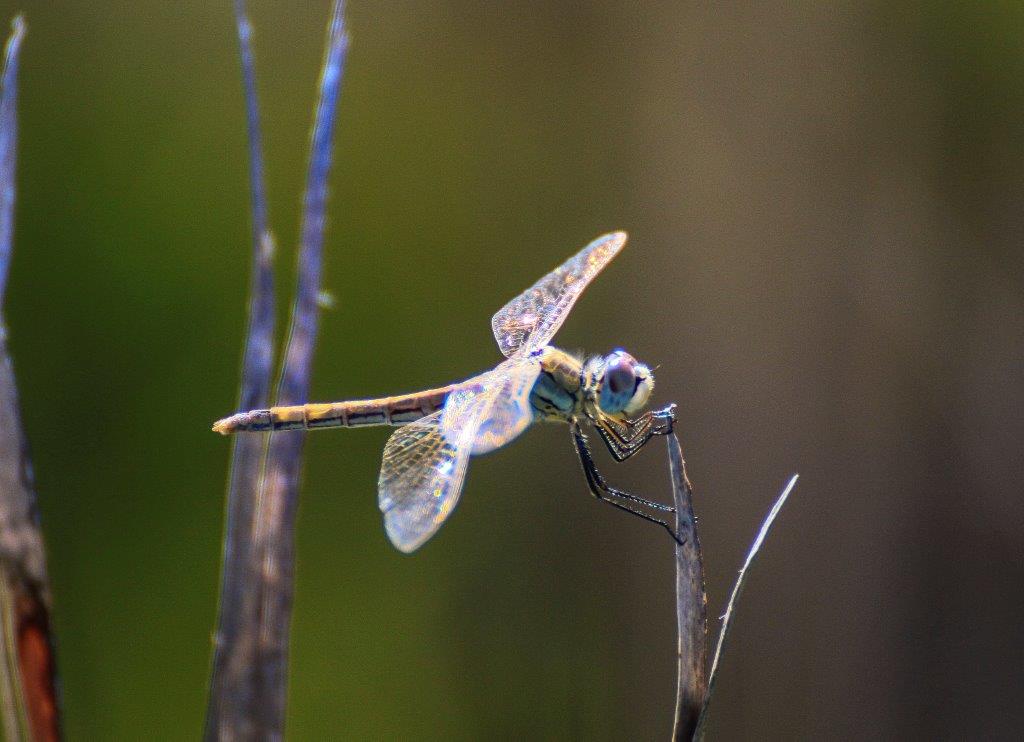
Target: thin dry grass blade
(9,146)
(730,610)
(275,515)
(28,670)
(691,602)
(231,698)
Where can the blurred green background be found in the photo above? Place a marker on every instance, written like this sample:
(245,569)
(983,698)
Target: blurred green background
(825,210)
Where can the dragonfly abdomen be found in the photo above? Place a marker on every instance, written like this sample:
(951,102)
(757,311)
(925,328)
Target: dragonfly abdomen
(397,410)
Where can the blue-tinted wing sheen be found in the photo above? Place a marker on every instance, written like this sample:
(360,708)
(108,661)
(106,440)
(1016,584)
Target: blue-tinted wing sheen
(496,405)
(531,319)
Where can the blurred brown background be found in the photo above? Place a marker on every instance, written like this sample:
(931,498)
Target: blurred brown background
(824,206)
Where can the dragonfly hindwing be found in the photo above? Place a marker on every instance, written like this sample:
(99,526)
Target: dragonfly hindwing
(420,480)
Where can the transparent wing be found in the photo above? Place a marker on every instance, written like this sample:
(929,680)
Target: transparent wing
(420,481)
(496,404)
(425,461)
(531,319)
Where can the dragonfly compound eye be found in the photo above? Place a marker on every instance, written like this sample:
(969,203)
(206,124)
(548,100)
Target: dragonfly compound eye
(642,390)
(626,385)
(620,377)
(619,382)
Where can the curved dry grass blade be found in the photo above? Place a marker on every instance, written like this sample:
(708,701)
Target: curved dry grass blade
(730,610)
(28,670)
(691,601)
(235,643)
(275,515)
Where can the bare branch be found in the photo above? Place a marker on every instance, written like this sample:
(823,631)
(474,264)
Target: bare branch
(730,609)
(28,671)
(691,601)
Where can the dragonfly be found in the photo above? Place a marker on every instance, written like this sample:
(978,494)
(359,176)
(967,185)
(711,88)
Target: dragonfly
(439,430)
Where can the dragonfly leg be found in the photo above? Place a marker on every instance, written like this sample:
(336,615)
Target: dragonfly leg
(605,493)
(624,439)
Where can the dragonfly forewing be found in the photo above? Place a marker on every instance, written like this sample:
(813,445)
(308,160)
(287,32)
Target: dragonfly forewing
(529,321)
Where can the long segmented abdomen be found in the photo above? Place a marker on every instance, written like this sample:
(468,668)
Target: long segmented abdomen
(399,410)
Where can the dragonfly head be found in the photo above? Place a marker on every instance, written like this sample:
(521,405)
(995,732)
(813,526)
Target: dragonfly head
(624,384)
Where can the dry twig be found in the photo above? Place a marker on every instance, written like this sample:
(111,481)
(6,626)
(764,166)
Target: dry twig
(694,684)
(691,601)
